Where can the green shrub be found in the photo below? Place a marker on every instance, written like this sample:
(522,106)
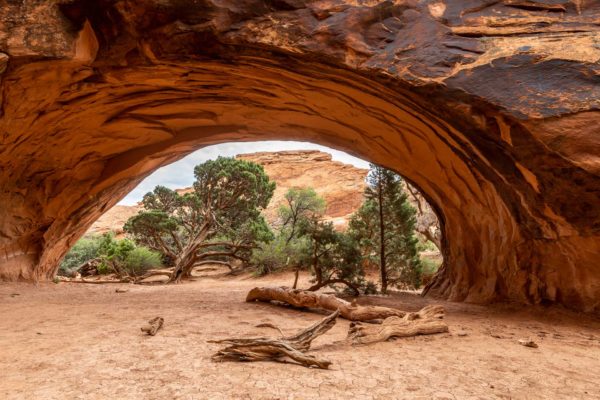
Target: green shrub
(279,254)
(105,268)
(426,245)
(141,259)
(430,266)
(114,255)
(84,250)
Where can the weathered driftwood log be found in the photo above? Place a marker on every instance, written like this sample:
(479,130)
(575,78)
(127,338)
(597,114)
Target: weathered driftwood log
(425,322)
(269,349)
(139,280)
(153,326)
(305,298)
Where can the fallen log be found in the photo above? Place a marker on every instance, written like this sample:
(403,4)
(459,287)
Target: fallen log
(305,298)
(269,349)
(427,321)
(97,281)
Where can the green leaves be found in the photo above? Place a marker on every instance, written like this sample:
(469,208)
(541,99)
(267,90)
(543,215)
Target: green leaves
(227,198)
(161,199)
(301,207)
(121,256)
(385,193)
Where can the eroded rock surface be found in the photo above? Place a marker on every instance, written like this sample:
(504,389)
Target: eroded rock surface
(491,108)
(114,219)
(341,185)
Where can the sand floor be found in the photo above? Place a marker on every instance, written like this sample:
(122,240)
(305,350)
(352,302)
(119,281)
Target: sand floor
(79,341)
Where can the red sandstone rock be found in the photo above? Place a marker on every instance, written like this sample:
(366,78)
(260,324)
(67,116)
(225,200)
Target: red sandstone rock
(491,108)
(341,185)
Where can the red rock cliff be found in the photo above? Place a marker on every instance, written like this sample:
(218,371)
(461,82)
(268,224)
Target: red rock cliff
(341,185)
(491,108)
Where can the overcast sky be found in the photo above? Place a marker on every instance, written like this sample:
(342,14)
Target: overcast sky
(181,173)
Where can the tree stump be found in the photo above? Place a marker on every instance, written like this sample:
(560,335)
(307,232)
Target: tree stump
(153,326)
(424,322)
(269,349)
(305,298)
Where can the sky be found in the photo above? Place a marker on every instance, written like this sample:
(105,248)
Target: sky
(180,174)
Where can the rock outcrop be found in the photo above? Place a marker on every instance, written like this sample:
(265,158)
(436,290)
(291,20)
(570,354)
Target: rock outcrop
(114,219)
(491,109)
(341,185)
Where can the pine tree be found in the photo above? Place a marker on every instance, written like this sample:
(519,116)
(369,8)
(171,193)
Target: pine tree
(384,227)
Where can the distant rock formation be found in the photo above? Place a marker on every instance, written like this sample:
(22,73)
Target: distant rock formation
(114,219)
(341,185)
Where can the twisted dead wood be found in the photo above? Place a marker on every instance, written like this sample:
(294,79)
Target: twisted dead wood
(305,298)
(153,326)
(269,349)
(427,321)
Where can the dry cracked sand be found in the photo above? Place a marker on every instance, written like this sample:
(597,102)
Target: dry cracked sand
(79,341)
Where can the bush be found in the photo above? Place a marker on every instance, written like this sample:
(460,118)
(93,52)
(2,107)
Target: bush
(113,255)
(426,245)
(141,259)
(104,268)
(278,254)
(84,250)
(430,266)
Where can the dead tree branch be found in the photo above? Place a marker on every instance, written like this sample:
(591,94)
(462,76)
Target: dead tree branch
(428,321)
(153,326)
(268,349)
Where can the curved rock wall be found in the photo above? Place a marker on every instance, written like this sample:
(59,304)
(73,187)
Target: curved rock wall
(490,108)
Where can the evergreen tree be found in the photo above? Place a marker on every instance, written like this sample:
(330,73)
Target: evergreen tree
(333,258)
(219,221)
(384,228)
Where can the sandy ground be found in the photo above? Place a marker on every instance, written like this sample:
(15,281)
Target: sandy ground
(79,341)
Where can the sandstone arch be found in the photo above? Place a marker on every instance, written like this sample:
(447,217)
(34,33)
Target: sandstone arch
(489,107)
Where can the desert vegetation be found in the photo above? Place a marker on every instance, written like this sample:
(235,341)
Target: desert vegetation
(381,235)
(219,222)
(103,254)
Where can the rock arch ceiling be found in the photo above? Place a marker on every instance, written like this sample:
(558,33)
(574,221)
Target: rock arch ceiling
(490,107)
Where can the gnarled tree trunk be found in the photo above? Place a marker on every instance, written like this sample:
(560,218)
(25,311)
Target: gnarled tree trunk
(293,347)
(305,298)
(425,322)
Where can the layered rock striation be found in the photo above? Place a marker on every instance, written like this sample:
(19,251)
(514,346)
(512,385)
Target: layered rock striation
(341,185)
(490,108)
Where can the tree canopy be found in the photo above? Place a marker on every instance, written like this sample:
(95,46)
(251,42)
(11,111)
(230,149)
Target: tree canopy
(302,205)
(218,221)
(384,229)
(331,256)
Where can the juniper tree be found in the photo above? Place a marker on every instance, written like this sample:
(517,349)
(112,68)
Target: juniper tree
(219,221)
(334,257)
